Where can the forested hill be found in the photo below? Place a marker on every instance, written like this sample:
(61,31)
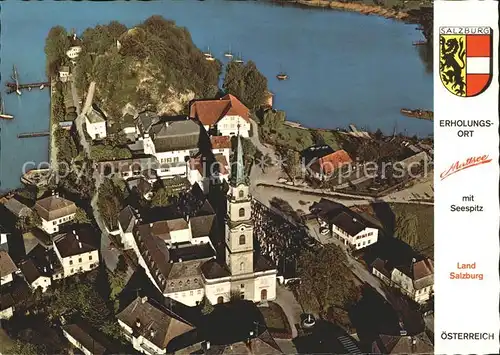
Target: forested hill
(154,65)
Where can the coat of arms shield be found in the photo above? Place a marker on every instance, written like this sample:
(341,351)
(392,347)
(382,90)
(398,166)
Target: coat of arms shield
(466,59)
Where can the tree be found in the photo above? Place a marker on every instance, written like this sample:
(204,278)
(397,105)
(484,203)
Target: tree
(407,227)
(378,134)
(26,223)
(246,83)
(110,203)
(291,166)
(81,216)
(162,197)
(24,348)
(206,306)
(56,45)
(121,265)
(117,282)
(326,280)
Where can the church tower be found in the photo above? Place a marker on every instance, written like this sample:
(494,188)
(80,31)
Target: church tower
(239,225)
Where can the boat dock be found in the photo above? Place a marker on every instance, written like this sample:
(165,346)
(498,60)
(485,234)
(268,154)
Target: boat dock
(33,134)
(37,177)
(15,87)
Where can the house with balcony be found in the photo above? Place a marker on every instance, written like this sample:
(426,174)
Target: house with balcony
(151,327)
(78,250)
(54,211)
(225,117)
(95,123)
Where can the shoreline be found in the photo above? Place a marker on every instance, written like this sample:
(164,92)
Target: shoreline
(360,8)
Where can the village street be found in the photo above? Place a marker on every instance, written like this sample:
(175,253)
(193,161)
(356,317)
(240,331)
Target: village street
(265,187)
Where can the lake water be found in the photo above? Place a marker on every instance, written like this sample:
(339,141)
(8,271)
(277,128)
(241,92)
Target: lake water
(344,67)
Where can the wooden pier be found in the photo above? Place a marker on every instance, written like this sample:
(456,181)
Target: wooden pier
(14,87)
(33,134)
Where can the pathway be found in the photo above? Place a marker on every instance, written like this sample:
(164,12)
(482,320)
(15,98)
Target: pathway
(286,300)
(110,256)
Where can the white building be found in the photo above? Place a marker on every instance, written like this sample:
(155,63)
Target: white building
(353,232)
(89,340)
(415,280)
(95,124)
(7,270)
(54,211)
(249,275)
(34,277)
(64,73)
(178,256)
(73,52)
(4,236)
(150,327)
(226,116)
(171,141)
(77,251)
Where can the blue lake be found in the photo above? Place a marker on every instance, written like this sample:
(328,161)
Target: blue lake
(344,67)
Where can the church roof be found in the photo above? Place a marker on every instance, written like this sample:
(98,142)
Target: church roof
(238,176)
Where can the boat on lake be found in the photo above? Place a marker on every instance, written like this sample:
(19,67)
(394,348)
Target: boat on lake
(238,59)
(418,113)
(4,115)
(208,54)
(228,54)
(15,77)
(282,76)
(419,43)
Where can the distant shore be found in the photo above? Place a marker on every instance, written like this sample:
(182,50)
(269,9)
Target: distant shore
(350,6)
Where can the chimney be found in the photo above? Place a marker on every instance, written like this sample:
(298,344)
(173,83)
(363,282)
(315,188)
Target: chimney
(53,192)
(51,266)
(150,225)
(152,333)
(44,269)
(144,299)
(413,261)
(138,323)
(180,260)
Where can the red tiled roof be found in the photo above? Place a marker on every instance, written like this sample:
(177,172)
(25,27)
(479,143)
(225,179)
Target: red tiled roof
(223,165)
(423,268)
(330,162)
(195,164)
(220,142)
(236,107)
(209,112)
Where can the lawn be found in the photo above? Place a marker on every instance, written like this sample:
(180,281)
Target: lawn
(276,320)
(425,228)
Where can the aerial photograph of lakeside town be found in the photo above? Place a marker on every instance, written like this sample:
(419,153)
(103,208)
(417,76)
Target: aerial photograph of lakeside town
(216,177)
